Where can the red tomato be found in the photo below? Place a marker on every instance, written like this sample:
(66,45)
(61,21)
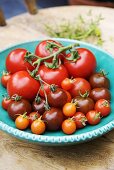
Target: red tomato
(6,102)
(15,61)
(80,85)
(53,76)
(93,117)
(67,84)
(44,49)
(84,66)
(23,84)
(33,116)
(46,88)
(80,120)
(5,78)
(103,106)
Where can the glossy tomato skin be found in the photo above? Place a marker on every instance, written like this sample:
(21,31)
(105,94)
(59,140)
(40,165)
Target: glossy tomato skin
(17,108)
(80,120)
(80,85)
(21,122)
(57,98)
(103,106)
(53,119)
(100,93)
(33,116)
(15,61)
(6,102)
(98,80)
(84,105)
(23,84)
(68,126)
(39,106)
(93,117)
(84,66)
(53,76)
(42,52)
(5,79)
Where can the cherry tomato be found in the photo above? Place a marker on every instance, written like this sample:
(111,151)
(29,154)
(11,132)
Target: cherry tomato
(69,98)
(5,78)
(18,108)
(38,127)
(15,61)
(69,109)
(44,49)
(24,85)
(84,66)
(93,117)
(80,85)
(99,80)
(103,106)
(100,93)
(22,122)
(57,98)
(39,106)
(67,84)
(84,104)
(33,116)
(6,102)
(80,120)
(68,126)
(46,88)
(53,76)
(53,119)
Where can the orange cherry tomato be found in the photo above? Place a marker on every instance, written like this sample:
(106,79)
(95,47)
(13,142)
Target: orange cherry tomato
(38,127)
(68,126)
(69,109)
(22,122)
(67,84)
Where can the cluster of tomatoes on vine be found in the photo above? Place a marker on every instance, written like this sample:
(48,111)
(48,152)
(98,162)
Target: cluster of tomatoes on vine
(55,88)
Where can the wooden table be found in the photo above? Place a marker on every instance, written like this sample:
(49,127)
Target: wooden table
(21,155)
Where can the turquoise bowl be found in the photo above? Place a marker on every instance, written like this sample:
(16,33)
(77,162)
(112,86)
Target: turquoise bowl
(104,61)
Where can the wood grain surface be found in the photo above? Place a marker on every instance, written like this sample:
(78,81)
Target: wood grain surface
(20,155)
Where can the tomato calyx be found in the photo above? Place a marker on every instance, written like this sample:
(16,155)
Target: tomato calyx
(6,97)
(50,45)
(97,116)
(85,95)
(83,120)
(74,56)
(53,87)
(16,97)
(29,57)
(103,73)
(105,103)
(5,73)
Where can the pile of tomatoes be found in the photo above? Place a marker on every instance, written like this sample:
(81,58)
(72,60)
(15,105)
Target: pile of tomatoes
(56,88)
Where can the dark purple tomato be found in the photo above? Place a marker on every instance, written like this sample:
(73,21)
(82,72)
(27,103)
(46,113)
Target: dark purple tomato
(100,93)
(39,106)
(99,80)
(17,108)
(53,119)
(84,105)
(57,98)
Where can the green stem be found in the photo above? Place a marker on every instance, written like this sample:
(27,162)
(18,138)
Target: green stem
(56,53)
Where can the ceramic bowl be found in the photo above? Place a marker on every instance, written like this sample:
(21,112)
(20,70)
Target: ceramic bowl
(105,61)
